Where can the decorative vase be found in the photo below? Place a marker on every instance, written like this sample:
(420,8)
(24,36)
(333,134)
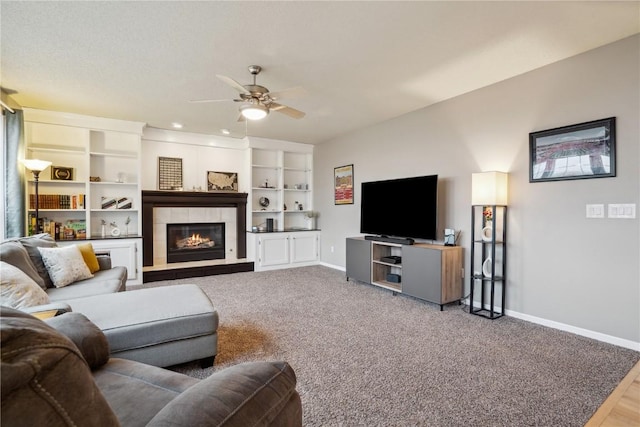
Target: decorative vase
(486,268)
(487,231)
(102,233)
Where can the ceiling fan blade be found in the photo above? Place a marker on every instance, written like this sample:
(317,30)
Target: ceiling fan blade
(234,84)
(292,92)
(291,112)
(211,100)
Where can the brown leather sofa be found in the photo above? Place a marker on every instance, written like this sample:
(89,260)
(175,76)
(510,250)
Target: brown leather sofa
(60,373)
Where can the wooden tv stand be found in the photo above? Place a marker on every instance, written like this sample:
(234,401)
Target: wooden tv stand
(429,272)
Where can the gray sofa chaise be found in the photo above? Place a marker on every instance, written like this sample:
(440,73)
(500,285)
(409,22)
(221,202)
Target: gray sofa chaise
(161,326)
(59,373)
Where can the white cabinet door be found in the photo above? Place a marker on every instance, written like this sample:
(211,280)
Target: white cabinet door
(304,247)
(123,253)
(273,249)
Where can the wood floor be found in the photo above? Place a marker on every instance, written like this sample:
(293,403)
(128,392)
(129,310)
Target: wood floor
(622,407)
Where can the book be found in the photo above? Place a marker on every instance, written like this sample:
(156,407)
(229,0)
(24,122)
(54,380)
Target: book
(74,229)
(108,203)
(124,203)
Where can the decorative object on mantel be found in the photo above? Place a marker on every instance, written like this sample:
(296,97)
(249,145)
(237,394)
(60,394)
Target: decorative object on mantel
(343,185)
(222,181)
(95,179)
(169,173)
(584,150)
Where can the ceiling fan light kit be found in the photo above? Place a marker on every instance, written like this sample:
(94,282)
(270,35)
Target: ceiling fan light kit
(254,111)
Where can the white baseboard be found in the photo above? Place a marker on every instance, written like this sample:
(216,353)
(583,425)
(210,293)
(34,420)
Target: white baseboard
(598,336)
(335,267)
(610,339)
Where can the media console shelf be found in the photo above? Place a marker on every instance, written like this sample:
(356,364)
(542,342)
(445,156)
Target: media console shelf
(381,269)
(429,272)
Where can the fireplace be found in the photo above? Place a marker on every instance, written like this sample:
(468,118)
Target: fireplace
(195,242)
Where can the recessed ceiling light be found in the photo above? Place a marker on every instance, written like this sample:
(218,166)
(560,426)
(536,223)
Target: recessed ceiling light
(176,125)
(225,131)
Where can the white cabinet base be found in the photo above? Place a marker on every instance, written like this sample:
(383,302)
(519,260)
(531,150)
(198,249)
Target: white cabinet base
(272,251)
(123,252)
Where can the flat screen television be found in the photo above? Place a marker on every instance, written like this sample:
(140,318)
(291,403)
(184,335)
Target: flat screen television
(405,207)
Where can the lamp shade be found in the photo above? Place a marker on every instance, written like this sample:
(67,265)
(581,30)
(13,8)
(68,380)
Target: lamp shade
(36,165)
(254,111)
(489,188)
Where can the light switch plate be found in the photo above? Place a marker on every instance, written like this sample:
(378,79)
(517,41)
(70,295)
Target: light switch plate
(622,210)
(595,211)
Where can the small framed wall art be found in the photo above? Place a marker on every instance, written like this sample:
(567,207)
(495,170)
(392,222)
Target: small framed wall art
(169,173)
(61,173)
(343,185)
(222,181)
(584,150)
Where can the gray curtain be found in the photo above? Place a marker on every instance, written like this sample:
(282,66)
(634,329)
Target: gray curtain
(13,191)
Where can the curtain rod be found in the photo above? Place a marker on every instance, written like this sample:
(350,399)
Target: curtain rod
(6,107)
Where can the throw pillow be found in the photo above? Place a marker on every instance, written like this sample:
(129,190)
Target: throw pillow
(12,252)
(86,249)
(31,244)
(65,265)
(17,290)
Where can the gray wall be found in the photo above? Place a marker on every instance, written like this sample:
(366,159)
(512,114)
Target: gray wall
(562,267)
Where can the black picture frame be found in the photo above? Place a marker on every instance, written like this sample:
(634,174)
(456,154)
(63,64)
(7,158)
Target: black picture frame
(580,151)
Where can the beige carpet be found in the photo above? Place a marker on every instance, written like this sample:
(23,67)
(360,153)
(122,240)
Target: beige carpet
(364,357)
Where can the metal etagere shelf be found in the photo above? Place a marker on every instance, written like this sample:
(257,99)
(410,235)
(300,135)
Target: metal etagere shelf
(488,259)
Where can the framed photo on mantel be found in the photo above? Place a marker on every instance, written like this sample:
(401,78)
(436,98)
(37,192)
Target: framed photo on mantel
(584,150)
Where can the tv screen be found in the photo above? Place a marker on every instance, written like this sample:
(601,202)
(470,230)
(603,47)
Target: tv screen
(405,207)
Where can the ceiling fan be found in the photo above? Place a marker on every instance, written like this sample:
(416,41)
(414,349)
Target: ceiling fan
(258,100)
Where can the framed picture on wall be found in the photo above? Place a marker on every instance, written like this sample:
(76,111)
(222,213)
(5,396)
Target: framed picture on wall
(584,150)
(343,185)
(169,173)
(222,181)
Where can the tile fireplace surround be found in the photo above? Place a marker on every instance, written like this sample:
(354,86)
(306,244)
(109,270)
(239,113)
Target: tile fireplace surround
(162,207)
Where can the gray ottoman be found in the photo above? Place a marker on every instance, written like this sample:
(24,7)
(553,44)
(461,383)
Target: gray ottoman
(161,326)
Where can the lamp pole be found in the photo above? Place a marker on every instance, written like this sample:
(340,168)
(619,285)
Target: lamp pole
(36,176)
(36,166)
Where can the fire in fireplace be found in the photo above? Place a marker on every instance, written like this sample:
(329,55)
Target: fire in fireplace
(195,242)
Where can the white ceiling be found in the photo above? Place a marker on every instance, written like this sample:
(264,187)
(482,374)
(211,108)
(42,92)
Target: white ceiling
(360,62)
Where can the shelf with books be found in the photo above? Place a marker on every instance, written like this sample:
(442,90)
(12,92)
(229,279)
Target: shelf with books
(60,227)
(62,183)
(90,148)
(57,210)
(58,201)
